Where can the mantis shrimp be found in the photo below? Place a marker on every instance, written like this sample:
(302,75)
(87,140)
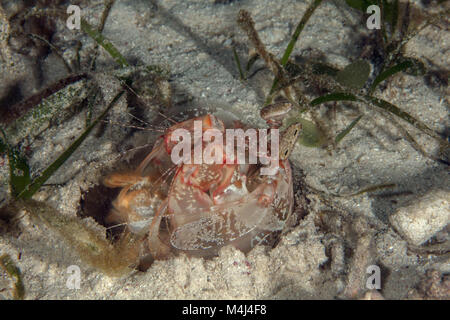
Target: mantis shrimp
(197,208)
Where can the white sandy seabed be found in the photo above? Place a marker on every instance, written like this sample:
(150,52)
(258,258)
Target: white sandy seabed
(195,38)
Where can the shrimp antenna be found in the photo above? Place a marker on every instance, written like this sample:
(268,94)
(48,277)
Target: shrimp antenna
(165,174)
(142,101)
(121,154)
(117,225)
(146,123)
(132,127)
